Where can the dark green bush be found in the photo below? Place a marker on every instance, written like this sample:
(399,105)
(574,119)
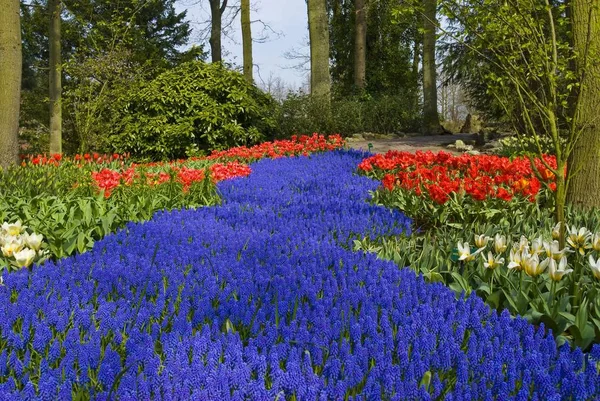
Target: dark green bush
(195,106)
(300,114)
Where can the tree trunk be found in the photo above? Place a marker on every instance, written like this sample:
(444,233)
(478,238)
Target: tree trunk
(10,81)
(416,61)
(216,14)
(320,82)
(431,121)
(55,78)
(360,45)
(584,187)
(247,40)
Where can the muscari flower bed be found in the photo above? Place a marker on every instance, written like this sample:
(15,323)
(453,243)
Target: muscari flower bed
(261,298)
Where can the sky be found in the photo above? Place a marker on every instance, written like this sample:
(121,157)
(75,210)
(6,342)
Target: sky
(288,20)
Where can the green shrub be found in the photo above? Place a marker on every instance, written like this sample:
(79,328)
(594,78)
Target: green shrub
(195,106)
(526,146)
(301,114)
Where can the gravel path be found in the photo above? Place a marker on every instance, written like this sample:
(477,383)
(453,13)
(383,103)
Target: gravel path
(411,143)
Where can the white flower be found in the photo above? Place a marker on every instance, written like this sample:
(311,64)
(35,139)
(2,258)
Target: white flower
(500,243)
(558,270)
(523,244)
(537,245)
(492,262)
(481,241)
(595,266)
(578,239)
(553,250)
(24,258)
(533,267)
(556,231)
(13,229)
(34,241)
(464,252)
(516,261)
(596,242)
(10,248)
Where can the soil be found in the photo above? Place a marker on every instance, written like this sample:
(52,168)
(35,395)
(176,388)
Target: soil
(411,143)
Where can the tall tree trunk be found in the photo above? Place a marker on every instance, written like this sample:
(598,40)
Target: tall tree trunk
(10,81)
(584,187)
(360,45)
(416,61)
(320,81)
(55,7)
(431,121)
(247,40)
(216,18)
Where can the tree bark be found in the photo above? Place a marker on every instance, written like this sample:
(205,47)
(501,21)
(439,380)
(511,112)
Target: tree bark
(360,45)
(584,185)
(320,81)
(247,40)
(431,121)
(416,61)
(55,78)
(10,81)
(216,18)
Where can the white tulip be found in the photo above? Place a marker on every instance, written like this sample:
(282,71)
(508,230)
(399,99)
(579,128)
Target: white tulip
(500,243)
(34,241)
(558,270)
(13,229)
(533,267)
(24,258)
(595,266)
(481,241)
(492,262)
(10,248)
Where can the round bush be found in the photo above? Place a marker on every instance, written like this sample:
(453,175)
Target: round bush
(193,107)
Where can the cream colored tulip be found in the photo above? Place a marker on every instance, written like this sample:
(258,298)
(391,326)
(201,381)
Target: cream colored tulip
(558,270)
(34,241)
(516,260)
(500,243)
(532,265)
(13,229)
(492,262)
(10,248)
(556,231)
(481,241)
(595,266)
(24,258)
(578,239)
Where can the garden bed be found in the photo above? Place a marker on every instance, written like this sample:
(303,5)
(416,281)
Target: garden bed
(262,298)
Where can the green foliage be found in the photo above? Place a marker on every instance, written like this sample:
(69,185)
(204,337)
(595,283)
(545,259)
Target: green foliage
(300,114)
(389,55)
(513,146)
(568,307)
(106,45)
(194,106)
(62,204)
(91,93)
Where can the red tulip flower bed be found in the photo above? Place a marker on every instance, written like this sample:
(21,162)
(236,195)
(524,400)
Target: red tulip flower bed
(440,175)
(107,179)
(297,145)
(231,165)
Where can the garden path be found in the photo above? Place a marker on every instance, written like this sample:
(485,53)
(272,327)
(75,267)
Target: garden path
(411,143)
